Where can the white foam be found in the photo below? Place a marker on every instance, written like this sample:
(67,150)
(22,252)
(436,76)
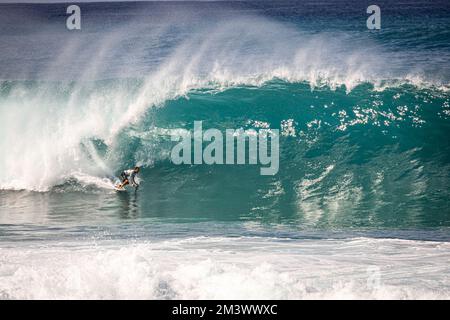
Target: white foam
(228,268)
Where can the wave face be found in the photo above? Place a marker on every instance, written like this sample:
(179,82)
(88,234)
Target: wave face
(367,114)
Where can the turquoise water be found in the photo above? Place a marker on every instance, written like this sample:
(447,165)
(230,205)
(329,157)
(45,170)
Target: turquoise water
(362,159)
(364,164)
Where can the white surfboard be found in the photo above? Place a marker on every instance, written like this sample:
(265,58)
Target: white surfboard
(117,188)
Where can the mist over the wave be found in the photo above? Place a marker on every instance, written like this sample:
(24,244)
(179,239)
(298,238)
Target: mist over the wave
(74,90)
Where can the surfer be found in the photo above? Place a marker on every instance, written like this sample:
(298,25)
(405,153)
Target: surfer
(128,177)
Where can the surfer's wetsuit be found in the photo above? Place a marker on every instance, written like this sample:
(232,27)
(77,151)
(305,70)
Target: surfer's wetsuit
(129,175)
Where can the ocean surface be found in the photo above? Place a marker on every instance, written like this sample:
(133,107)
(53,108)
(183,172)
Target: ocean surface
(358,210)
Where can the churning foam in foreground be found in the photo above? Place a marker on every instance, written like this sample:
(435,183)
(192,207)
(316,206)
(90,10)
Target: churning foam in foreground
(228,268)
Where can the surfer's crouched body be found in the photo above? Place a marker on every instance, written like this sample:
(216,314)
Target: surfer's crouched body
(128,177)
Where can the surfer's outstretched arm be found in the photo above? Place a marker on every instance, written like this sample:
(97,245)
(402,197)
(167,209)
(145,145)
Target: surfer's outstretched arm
(133,177)
(133,182)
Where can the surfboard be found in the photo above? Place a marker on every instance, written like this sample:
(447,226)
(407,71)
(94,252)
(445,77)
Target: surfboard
(119,189)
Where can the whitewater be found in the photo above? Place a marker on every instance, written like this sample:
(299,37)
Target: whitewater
(237,268)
